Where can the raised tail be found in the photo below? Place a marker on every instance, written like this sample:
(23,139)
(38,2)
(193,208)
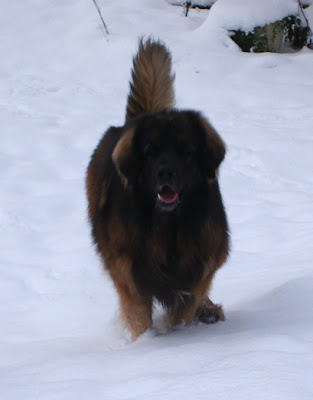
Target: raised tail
(152,83)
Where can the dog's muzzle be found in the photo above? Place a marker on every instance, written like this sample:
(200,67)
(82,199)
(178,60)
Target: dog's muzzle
(167,193)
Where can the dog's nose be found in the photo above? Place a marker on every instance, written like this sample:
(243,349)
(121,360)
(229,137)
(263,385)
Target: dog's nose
(165,173)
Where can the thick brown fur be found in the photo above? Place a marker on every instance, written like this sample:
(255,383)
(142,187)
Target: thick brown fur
(155,207)
(151,88)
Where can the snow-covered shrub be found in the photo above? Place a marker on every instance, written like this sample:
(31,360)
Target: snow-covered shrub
(288,33)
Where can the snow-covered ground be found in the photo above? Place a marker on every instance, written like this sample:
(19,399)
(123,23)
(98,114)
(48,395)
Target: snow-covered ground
(62,83)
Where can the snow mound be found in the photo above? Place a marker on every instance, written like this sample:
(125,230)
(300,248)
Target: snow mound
(247,14)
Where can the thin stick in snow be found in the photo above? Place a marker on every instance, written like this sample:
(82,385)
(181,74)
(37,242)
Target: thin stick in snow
(99,12)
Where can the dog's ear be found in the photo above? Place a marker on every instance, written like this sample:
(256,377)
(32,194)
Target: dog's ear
(214,150)
(124,159)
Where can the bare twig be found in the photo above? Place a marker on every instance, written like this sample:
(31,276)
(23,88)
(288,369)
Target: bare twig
(309,34)
(99,12)
(187,5)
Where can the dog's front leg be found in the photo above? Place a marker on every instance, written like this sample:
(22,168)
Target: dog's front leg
(209,313)
(136,310)
(198,307)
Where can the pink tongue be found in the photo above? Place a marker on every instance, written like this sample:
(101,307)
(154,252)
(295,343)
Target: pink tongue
(168,195)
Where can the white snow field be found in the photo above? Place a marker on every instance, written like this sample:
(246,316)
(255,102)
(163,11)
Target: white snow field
(63,83)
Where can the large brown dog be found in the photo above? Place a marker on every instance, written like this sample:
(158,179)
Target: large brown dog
(155,207)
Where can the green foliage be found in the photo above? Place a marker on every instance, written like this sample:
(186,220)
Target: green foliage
(287,32)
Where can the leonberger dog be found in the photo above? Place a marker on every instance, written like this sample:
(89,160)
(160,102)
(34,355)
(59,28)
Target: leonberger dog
(155,207)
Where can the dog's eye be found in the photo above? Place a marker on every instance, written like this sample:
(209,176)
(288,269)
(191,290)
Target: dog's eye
(189,151)
(151,151)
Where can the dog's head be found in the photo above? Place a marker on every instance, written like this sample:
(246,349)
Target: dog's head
(165,157)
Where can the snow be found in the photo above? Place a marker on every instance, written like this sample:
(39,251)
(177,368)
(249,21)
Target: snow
(63,82)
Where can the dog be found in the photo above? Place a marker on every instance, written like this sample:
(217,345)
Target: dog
(154,203)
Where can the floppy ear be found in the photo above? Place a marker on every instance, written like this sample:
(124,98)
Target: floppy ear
(214,150)
(124,159)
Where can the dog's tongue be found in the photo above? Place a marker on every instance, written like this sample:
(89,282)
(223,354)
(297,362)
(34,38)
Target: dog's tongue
(167,195)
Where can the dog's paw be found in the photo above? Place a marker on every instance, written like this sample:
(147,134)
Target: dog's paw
(210,313)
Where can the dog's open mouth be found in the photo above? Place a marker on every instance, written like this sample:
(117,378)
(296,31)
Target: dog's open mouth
(167,195)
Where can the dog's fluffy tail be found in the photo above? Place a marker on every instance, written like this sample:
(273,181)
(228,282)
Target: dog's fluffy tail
(152,83)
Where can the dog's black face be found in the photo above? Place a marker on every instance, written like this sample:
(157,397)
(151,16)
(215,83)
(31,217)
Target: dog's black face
(169,169)
(169,155)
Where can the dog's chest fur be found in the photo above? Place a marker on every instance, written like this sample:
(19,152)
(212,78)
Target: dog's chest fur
(169,264)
